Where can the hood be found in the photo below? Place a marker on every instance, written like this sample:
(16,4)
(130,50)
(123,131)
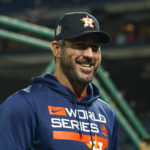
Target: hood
(51,82)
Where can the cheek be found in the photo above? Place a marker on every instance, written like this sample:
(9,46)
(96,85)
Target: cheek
(73,56)
(98,58)
(66,55)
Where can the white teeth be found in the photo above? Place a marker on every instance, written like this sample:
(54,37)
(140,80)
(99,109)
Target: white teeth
(85,65)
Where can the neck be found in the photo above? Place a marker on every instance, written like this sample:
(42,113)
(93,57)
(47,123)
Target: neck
(79,90)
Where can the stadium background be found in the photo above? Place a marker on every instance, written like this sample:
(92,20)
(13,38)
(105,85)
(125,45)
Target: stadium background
(126,59)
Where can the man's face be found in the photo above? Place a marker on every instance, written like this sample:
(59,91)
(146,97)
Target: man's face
(80,59)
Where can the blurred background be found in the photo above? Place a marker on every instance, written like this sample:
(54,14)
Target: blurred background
(126,58)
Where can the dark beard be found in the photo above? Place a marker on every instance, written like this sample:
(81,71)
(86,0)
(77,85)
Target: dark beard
(67,69)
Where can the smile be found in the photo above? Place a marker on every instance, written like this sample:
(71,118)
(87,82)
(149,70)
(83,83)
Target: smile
(86,68)
(85,65)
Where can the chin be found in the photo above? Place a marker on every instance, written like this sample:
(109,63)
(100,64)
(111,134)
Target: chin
(85,80)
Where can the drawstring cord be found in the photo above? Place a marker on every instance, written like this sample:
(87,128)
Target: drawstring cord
(78,118)
(86,107)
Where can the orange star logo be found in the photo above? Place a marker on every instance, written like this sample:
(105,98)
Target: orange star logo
(88,22)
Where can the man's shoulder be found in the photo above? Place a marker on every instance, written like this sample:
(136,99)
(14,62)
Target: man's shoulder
(20,98)
(15,105)
(28,97)
(103,104)
(32,90)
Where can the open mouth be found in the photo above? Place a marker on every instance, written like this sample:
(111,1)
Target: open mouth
(85,65)
(86,68)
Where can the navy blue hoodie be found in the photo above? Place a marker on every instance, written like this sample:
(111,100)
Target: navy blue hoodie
(48,116)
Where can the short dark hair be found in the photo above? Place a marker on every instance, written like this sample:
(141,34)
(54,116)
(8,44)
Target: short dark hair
(61,42)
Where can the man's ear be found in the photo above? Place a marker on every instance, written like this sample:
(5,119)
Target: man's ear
(55,47)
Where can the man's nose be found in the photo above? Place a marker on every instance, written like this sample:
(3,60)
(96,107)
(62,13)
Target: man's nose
(88,52)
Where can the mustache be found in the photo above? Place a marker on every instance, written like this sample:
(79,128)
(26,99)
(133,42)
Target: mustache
(85,60)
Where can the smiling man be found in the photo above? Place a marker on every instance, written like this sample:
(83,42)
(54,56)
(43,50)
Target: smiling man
(63,110)
(77,61)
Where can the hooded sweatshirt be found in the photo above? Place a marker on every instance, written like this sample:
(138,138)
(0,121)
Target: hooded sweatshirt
(48,116)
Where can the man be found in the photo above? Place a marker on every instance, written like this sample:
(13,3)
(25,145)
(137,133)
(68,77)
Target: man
(145,143)
(63,111)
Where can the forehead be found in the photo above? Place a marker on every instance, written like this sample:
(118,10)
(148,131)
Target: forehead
(90,38)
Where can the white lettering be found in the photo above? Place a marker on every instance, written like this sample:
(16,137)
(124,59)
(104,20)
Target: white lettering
(90,115)
(102,118)
(65,123)
(56,123)
(82,114)
(71,112)
(85,126)
(74,124)
(94,128)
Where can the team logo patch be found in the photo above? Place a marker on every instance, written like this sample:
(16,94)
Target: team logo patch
(58,29)
(104,130)
(88,22)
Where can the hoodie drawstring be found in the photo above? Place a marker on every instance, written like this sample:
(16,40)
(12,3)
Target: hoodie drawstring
(86,107)
(78,119)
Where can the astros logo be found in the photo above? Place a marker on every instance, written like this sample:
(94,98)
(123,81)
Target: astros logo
(97,145)
(88,22)
(104,130)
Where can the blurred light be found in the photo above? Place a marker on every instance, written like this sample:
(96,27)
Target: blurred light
(148,30)
(130,27)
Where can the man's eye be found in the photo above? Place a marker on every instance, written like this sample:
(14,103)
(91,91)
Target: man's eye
(82,46)
(95,47)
